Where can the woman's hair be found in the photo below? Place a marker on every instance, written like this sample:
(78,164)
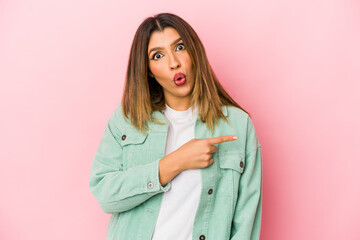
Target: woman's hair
(143,94)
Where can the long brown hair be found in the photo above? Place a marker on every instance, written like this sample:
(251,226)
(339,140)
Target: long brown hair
(143,94)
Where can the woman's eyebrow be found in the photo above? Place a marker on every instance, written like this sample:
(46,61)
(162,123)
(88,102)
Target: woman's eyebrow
(158,48)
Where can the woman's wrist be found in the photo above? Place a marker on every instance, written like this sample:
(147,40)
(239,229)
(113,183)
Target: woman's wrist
(168,169)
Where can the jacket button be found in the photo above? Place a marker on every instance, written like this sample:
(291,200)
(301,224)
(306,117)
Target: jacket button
(241,164)
(150,185)
(210,191)
(202,237)
(123,137)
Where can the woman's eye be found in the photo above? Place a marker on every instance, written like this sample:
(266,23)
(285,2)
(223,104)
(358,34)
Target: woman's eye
(154,57)
(181,44)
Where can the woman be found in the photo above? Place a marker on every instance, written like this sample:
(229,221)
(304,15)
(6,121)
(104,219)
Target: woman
(179,158)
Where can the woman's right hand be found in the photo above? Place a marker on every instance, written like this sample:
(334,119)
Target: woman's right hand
(197,153)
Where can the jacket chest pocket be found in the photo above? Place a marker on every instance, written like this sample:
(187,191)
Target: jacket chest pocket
(134,147)
(231,167)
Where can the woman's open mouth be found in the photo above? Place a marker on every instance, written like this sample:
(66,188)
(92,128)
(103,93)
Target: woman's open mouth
(179,79)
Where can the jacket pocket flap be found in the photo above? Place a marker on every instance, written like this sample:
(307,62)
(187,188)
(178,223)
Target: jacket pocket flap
(132,138)
(232,160)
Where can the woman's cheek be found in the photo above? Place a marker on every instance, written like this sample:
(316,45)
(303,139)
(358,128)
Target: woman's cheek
(156,69)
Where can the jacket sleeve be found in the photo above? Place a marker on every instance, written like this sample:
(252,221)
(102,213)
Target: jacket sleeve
(115,189)
(247,217)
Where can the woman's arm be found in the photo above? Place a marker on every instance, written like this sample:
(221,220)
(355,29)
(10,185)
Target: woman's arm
(168,169)
(117,190)
(247,218)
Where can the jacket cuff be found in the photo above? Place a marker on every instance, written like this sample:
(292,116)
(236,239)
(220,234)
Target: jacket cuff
(153,181)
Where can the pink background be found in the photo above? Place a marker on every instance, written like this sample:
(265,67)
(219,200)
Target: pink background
(294,65)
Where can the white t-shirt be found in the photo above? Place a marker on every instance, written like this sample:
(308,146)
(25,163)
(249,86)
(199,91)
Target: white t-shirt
(180,203)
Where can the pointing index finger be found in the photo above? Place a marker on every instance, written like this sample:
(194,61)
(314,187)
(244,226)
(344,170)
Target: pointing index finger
(222,139)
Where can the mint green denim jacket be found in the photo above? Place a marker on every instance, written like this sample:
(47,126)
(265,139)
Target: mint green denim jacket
(124,179)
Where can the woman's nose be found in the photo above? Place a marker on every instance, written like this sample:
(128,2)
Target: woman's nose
(173,61)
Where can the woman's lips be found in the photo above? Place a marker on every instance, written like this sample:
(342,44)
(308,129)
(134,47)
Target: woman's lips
(178,76)
(180,81)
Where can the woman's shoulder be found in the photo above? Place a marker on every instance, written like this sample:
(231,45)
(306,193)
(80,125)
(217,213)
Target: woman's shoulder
(118,120)
(118,111)
(236,114)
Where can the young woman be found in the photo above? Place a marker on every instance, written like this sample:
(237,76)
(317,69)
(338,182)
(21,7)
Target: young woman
(179,158)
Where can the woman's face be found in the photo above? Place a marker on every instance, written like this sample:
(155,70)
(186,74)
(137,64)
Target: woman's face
(169,58)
